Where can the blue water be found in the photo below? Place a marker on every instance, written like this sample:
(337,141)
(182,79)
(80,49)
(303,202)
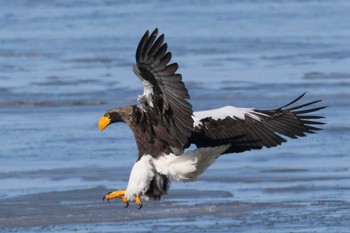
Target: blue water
(64,63)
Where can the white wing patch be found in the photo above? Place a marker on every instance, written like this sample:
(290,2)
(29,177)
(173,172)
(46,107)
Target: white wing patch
(146,97)
(224,112)
(147,94)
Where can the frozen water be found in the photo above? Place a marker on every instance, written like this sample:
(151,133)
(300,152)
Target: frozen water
(64,63)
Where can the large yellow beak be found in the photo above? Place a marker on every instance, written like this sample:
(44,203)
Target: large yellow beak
(103,122)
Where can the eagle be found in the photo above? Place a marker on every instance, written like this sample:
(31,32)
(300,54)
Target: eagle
(164,126)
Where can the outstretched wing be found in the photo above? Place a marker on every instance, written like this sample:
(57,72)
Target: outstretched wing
(165,95)
(248,129)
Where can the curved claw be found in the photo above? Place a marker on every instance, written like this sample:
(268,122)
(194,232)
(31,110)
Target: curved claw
(104,197)
(138,202)
(121,194)
(126,205)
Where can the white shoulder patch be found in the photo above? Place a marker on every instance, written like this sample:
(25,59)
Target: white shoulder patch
(146,97)
(222,113)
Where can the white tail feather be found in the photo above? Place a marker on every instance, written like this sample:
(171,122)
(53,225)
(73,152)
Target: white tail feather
(186,167)
(190,165)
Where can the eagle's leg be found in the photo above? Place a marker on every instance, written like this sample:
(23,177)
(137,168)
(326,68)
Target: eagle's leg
(117,194)
(138,201)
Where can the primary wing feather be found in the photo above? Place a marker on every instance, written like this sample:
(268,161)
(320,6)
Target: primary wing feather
(164,92)
(255,129)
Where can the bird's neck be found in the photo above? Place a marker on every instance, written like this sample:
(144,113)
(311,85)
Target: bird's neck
(126,114)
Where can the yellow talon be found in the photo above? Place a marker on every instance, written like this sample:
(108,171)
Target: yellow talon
(121,194)
(138,201)
(117,194)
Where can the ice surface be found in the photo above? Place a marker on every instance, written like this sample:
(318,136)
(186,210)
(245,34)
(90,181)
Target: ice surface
(65,63)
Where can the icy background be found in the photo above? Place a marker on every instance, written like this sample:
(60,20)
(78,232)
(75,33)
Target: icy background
(64,63)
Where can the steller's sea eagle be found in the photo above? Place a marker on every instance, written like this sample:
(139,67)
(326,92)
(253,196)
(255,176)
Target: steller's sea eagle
(164,125)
